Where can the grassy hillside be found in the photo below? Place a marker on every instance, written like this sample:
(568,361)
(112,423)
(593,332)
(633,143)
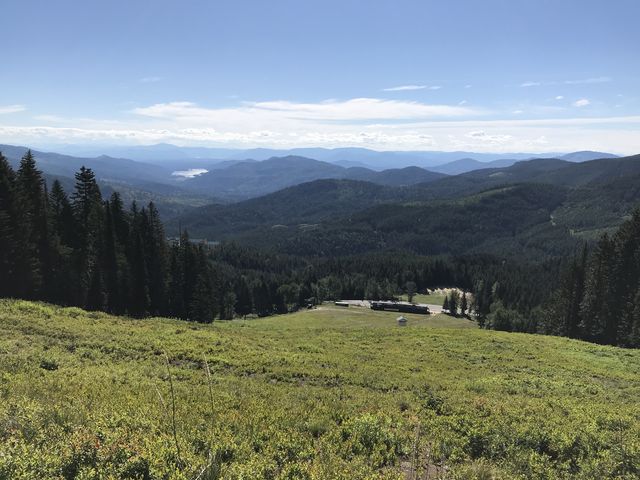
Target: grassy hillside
(324,394)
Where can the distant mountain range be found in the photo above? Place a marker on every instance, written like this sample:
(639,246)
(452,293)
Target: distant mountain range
(241,174)
(250,179)
(172,156)
(294,203)
(469,164)
(542,206)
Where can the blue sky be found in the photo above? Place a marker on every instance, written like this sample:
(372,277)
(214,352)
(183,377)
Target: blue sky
(492,75)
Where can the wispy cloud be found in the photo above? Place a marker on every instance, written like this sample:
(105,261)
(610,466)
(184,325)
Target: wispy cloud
(582,81)
(588,80)
(149,79)
(275,112)
(404,88)
(504,135)
(5,109)
(583,102)
(559,97)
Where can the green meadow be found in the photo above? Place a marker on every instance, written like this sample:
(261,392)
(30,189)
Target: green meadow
(331,393)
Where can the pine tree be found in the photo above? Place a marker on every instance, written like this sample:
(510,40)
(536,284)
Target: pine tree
(175,291)
(96,295)
(453,303)
(139,298)
(62,220)
(244,305)
(463,304)
(111,265)
(445,304)
(88,215)
(155,258)
(227,311)
(201,307)
(31,228)
(595,306)
(121,220)
(411,289)
(8,229)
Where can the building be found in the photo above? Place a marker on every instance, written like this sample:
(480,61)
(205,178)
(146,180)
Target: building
(404,307)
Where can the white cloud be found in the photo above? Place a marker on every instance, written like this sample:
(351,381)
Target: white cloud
(617,134)
(6,109)
(583,102)
(403,88)
(560,97)
(281,111)
(462,102)
(484,137)
(582,81)
(149,79)
(588,80)
(518,112)
(380,124)
(467,86)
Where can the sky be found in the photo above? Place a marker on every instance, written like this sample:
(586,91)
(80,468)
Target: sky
(486,76)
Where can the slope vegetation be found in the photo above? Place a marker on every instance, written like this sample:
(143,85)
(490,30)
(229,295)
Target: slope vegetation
(329,393)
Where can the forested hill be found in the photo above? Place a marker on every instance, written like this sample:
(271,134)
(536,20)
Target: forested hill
(249,179)
(308,203)
(467,213)
(512,221)
(599,299)
(552,171)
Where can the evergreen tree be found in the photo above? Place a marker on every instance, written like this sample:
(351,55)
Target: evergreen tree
(594,308)
(110,265)
(202,307)
(139,299)
(453,303)
(8,229)
(155,258)
(62,220)
(244,305)
(445,304)
(87,209)
(410,288)
(175,292)
(463,304)
(227,311)
(31,229)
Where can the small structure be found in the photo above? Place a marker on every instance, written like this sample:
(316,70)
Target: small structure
(402,322)
(342,304)
(402,307)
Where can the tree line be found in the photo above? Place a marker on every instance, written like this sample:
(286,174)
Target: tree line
(599,296)
(85,251)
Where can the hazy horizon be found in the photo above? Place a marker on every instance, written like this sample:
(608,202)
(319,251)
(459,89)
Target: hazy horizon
(493,77)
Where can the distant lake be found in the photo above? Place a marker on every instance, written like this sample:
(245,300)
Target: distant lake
(191,173)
